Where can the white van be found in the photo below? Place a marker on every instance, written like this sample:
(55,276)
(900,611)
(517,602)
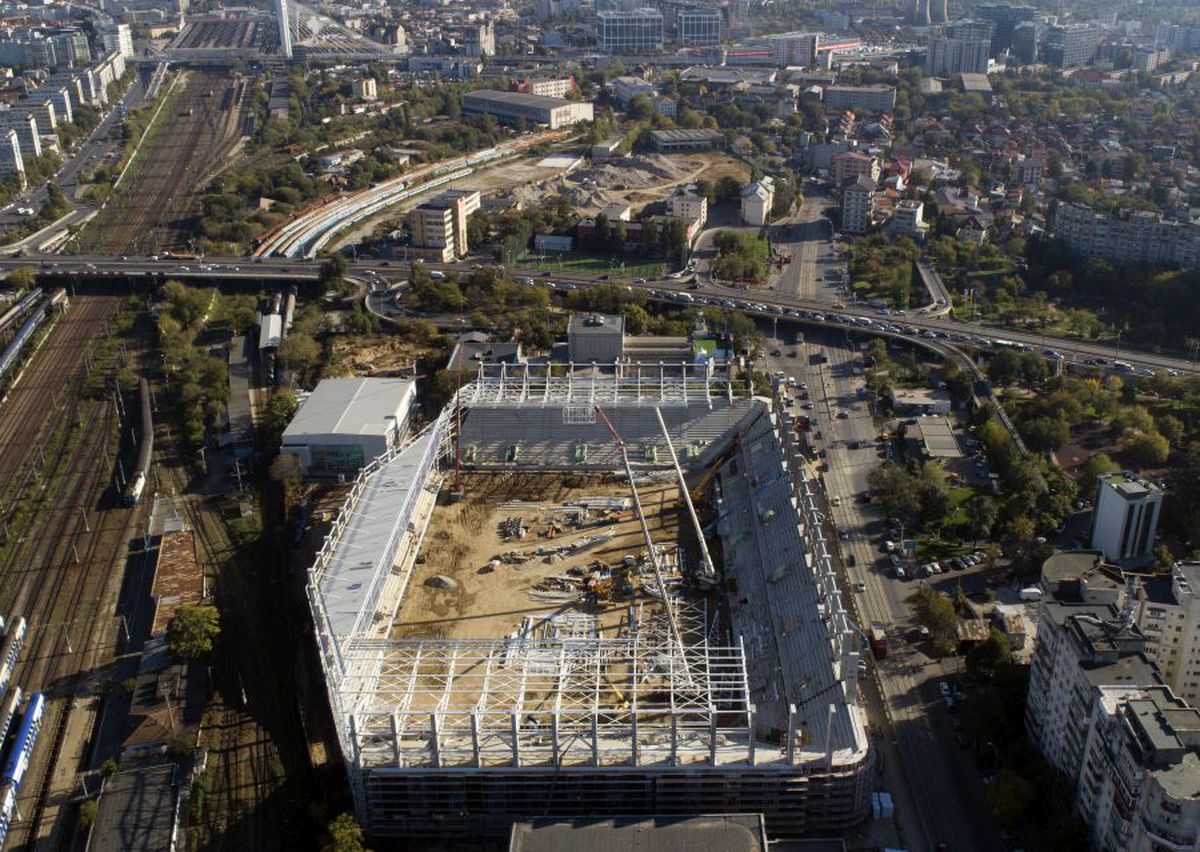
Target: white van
(1031,593)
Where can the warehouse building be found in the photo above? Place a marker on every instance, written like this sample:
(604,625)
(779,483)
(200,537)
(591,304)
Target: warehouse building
(687,141)
(533,109)
(346,423)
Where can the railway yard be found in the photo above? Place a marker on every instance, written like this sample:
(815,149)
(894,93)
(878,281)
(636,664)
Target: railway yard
(187,145)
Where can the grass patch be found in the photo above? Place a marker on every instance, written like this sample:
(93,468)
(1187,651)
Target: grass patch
(934,550)
(593,264)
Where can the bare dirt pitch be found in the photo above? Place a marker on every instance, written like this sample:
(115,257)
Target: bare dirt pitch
(492,599)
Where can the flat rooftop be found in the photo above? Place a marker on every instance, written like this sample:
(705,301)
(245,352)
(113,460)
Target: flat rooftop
(178,578)
(718,833)
(359,406)
(496,96)
(937,438)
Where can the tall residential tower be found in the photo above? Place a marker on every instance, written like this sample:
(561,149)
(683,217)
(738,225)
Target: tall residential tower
(285,30)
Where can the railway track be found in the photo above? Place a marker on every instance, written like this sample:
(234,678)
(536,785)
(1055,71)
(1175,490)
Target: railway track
(243,758)
(56,567)
(152,217)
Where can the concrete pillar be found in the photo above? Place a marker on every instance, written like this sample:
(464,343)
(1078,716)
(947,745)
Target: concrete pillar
(674,739)
(434,730)
(595,741)
(712,735)
(516,737)
(750,758)
(793,719)
(475,737)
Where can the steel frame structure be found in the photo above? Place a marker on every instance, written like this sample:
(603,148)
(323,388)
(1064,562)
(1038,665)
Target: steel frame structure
(542,711)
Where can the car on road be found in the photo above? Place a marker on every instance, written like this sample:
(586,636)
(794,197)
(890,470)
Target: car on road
(944,688)
(844,533)
(860,586)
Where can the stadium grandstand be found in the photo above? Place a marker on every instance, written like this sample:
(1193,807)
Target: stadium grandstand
(508,633)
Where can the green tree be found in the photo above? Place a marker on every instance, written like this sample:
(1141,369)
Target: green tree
(983,513)
(1097,465)
(1011,796)
(21,278)
(477,229)
(1148,448)
(1046,434)
(935,611)
(191,631)
(333,271)
(896,491)
(276,415)
(990,655)
(299,351)
(1171,428)
(1004,367)
(343,834)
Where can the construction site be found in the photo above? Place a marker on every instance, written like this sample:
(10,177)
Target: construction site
(590,591)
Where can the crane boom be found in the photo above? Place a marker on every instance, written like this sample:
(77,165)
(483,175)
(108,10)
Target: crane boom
(641,516)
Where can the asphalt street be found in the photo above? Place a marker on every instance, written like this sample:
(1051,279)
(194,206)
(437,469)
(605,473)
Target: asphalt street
(940,797)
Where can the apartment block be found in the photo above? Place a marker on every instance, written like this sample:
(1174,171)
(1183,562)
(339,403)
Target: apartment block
(1099,712)
(26,129)
(118,39)
(1138,236)
(795,49)
(858,206)
(871,99)
(632,31)
(10,157)
(947,56)
(1168,613)
(850,165)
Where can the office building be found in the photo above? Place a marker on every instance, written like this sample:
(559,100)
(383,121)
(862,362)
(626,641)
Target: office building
(1129,236)
(439,226)
(119,39)
(285,28)
(71,48)
(1071,45)
(554,87)
(948,55)
(630,32)
(858,206)
(533,109)
(1125,517)
(11,162)
(345,424)
(758,198)
(870,99)
(699,27)
(1026,41)
(1004,19)
(1099,713)
(364,89)
(795,49)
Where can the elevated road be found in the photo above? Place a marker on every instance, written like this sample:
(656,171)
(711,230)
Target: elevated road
(1074,353)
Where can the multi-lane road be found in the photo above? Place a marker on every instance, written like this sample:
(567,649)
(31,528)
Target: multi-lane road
(940,797)
(811,308)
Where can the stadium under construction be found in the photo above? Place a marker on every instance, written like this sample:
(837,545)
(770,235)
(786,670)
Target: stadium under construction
(600,591)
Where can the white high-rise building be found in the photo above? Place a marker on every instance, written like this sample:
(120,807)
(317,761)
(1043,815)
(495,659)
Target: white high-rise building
(285,29)
(1100,714)
(119,39)
(10,156)
(699,27)
(795,49)
(1125,518)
